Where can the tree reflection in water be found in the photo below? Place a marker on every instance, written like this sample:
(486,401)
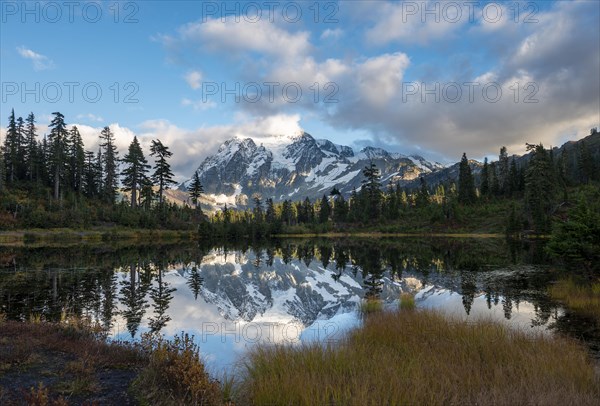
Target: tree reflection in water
(106,282)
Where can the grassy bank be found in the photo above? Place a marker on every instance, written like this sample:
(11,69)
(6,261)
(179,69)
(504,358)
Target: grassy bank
(580,296)
(71,363)
(63,363)
(405,357)
(69,236)
(376,234)
(419,357)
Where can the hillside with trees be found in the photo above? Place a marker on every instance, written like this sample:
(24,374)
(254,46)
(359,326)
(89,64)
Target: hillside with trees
(53,181)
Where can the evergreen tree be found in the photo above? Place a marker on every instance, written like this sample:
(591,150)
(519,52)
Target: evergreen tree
(403,198)
(539,188)
(270,215)
(485,178)
(195,189)
(21,168)
(58,145)
(372,188)
(340,211)
(109,158)
(513,175)
(146,194)
(466,184)
(31,157)
(494,184)
(91,176)
(287,215)
(423,194)
(43,160)
(258,211)
(134,173)
(391,202)
(354,209)
(585,163)
(11,148)
(324,210)
(76,160)
(503,180)
(306,213)
(162,176)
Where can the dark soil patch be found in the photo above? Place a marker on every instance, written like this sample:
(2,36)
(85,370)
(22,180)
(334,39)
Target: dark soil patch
(49,364)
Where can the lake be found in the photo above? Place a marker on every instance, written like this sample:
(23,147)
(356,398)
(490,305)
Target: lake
(287,291)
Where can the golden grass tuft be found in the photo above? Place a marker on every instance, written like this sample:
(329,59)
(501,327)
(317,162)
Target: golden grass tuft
(175,374)
(40,397)
(370,305)
(407,301)
(577,296)
(421,357)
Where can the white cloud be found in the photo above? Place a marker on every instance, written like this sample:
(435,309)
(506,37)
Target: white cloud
(194,79)
(409,22)
(334,34)
(558,54)
(90,117)
(231,37)
(199,105)
(40,62)
(380,78)
(90,136)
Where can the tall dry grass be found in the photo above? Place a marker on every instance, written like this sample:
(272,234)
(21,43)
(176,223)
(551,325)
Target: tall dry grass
(421,357)
(584,298)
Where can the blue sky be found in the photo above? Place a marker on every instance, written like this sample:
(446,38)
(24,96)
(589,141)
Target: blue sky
(171,60)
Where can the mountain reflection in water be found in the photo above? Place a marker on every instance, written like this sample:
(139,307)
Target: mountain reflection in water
(288,291)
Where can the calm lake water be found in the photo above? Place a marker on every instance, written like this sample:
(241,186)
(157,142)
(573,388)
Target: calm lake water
(289,291)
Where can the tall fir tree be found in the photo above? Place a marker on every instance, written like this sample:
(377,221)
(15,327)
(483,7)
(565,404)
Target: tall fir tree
(195,189)
(91,176)
(10,149)
(162,176)
(324,210)
(494,183)
(422,199)
(31,157)
(585,163)
(58,150)
(270,213)
(76,160)
(485,178)
(340,210)
(539,188)
(372,190)
(503,180)
(147,194)
(466,184)
(21,168)
(135,170)
(257,212)
(110,161)
(513,176)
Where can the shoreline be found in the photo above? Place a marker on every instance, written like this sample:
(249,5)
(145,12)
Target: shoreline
(70,236)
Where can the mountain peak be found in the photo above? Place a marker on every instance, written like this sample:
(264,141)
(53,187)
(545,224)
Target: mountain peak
(295,166)
(374,153)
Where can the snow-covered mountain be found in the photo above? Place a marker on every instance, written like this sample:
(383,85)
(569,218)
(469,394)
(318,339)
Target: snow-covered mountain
(298,166)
